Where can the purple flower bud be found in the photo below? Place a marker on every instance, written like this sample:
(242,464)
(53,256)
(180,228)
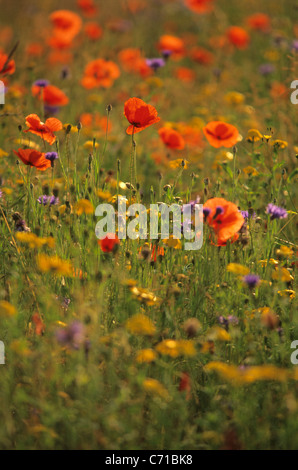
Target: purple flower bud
(41,83)
(155,63)
(252,280)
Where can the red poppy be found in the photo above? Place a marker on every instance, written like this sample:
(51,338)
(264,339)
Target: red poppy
(93,31)
(156,251)
(33,158)
(259,21)
(185,384)
(109,243)
(7,67)
(202,56)
(185,74)
(91,121)
(199,6)
(34,49)
(224,218)
(132,61)
(67,22)
(238,37)
(51,95)
(44,130)
(139,114)
(39,324)
(100,73)
(171,138)
(88,7)
(173,44)
(220,134)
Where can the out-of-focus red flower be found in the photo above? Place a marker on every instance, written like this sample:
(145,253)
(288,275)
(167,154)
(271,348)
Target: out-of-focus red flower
(34,49)
(199,6)
(238,37)
(185,74)
(88,7)
(172,44)
(202,56)
(51,95)
(185,384)
(100,73)
(139,114)
(39,324)
(171,138)
(93,31)
(109,243)
(131,60)
(7,67)
(67,22)
(259,22)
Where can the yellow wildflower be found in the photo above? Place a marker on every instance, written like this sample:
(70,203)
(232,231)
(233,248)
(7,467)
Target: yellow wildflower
(253,135)
(90,145)
(280,144)
(154,387)
(179,163)
(146,356)
(27,143)
(84,206)
(250,171)
(285,251)
(218,334)
(3,153)
(237,269)
(145,296)
(172,242)
(33,241)
(54,264)
(234,97)
(282,274)
(287,293)
(6,309)
(140,324)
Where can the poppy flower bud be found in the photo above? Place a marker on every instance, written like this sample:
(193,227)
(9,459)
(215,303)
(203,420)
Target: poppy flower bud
(79,126)
(109,108)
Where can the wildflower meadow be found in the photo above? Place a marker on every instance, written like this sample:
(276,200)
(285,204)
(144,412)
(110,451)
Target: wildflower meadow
(115,333)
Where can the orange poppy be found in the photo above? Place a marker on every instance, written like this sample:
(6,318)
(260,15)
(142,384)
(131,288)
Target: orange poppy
(224,218)
(173,44)
(44,130)
(100,73)
(220,134)
(185,74)
(90,121)
(238,37)
(93,31)
(33,158)
(67,22)
(7,67)
(60,57)
(259,21)
(60,40)
(202,56)
(34,49)
(140,115)
(199,6)
(88,7)
(51,95)
(132,61)
(39,324)
(171,138)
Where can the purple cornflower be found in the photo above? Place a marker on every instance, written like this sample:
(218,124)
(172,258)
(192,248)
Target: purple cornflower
(0,193)
(51,110)
(72,335)
(246,215)
(276,212)
(252,280)
(41,82)
(155,63)
(266,69)
(294,45)
(52,156)
(166,53)
(48,200)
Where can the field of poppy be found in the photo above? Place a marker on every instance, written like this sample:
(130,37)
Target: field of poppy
(141,344)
